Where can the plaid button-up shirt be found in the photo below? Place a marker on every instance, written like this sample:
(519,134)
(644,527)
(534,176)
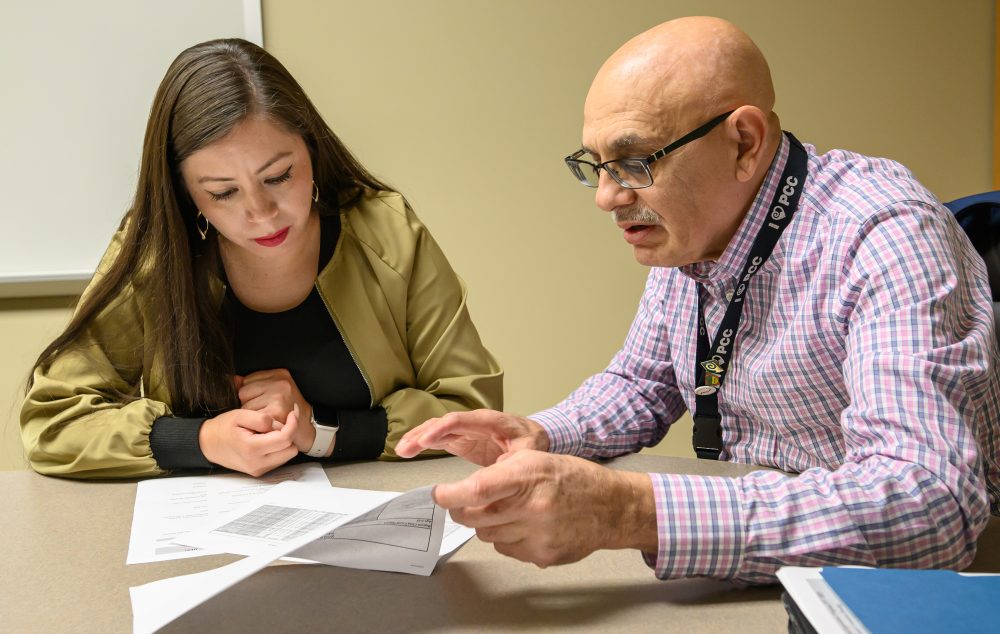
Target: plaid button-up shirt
(865,362)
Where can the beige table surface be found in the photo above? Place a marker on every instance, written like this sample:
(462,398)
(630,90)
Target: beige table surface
(65,543)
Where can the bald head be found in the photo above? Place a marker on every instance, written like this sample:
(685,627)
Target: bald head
(688,69)
(661,85)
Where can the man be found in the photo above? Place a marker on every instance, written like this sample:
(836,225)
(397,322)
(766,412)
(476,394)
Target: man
(820,314)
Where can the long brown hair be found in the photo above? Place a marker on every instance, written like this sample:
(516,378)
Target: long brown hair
(208,90)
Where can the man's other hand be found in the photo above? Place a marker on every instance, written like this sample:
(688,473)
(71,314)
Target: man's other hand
(480,436)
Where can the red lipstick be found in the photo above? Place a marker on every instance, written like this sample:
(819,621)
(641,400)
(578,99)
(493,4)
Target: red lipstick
(274,239)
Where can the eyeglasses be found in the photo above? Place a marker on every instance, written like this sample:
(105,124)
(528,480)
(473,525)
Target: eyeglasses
(633,173)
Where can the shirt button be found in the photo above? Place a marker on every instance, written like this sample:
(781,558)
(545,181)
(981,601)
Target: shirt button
(729,296)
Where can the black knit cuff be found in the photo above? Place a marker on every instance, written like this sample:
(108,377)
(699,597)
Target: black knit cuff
(175,445)
(362,432)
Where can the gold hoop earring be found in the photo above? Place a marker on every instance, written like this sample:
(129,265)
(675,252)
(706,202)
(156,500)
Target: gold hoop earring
(197,224)
(315,192)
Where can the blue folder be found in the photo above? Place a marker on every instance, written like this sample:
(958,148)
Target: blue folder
(890,601)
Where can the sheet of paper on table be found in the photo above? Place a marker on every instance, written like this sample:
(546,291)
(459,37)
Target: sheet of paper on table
(168,508)
(375,530)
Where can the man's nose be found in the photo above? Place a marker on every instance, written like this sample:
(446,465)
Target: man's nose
(611,195)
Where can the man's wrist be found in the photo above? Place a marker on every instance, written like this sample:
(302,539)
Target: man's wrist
(637,514)
(539,436)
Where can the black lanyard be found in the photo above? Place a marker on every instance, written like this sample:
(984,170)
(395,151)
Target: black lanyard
(714,360)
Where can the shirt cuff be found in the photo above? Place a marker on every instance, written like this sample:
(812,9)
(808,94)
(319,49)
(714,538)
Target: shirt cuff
(564,435)
(700,522)
(174,442)
(362,431)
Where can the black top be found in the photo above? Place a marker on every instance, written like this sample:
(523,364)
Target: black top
(304,340)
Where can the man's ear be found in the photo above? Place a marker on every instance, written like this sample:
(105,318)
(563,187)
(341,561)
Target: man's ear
(748,128)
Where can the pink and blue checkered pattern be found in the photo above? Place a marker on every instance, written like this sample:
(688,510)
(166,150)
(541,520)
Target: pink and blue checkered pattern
(865,362)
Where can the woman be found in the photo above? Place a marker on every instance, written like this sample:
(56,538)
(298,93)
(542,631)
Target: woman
(265,296)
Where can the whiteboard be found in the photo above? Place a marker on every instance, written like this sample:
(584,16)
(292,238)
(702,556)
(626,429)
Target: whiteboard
(78,80)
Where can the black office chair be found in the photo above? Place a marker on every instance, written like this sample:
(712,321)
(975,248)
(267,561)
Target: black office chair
(979,215)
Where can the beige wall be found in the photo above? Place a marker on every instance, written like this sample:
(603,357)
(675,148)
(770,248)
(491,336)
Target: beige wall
(468,106)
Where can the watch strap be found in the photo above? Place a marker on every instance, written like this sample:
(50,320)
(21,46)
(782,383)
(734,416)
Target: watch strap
(325,437)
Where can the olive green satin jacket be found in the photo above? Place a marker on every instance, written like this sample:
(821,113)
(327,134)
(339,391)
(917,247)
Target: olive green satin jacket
(392,294)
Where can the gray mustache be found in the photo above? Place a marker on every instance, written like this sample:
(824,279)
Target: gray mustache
(642,215)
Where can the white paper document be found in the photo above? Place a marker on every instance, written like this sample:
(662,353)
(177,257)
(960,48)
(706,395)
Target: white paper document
(376,530)
(168,508)
(160,602)
(402,535)
(454,535)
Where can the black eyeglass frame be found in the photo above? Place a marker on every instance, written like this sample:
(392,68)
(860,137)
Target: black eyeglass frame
(573,161)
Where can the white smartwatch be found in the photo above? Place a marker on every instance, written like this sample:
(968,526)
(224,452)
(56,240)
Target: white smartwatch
(325,437)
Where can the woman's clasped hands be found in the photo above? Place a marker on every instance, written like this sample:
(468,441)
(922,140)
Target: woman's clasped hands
(270,428)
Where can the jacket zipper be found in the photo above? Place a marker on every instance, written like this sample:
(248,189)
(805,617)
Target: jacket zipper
(350,348)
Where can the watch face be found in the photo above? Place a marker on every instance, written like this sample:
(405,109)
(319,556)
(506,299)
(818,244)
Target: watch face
(324,427)
(318,424)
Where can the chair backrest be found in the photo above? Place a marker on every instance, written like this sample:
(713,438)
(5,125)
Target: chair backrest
(979,215)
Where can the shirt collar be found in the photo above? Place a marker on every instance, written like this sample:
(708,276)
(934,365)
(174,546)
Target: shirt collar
(730,264)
